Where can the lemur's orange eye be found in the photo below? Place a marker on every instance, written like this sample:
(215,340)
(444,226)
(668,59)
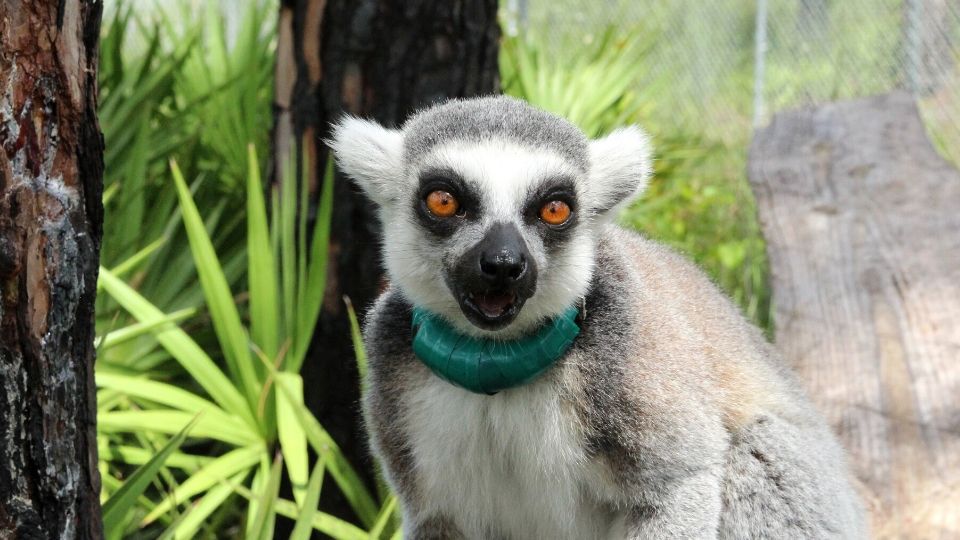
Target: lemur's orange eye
(442,204)
(555,213)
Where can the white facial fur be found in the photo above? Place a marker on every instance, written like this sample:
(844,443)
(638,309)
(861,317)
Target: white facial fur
(504,174)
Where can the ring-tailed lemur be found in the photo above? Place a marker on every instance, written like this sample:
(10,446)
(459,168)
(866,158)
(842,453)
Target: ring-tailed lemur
(537,372)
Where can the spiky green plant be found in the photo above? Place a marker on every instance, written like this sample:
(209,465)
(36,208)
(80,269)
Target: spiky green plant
(175,87)
(250,423)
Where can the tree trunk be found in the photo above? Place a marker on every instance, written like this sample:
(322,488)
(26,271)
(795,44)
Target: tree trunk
(381,59)
(51,168)
(860,216)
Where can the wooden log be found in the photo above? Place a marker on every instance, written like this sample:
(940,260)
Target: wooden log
(862,220)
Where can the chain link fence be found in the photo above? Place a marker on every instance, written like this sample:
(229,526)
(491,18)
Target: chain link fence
(731,64)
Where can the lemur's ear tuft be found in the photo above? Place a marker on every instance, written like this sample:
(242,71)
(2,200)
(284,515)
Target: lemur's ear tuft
(620,165)
(370,154)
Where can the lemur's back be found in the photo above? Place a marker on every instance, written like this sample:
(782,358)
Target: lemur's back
(784,475)
(674,293)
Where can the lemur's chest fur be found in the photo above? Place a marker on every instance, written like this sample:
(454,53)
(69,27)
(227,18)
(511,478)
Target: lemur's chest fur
(523,463)
(517,455)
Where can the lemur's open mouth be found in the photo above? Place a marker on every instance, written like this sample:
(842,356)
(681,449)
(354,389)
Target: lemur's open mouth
(493,304)
(491,309)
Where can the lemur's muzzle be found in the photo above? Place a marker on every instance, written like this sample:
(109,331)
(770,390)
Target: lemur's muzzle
(494,278)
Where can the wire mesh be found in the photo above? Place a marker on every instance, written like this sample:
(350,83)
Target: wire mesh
(731,64)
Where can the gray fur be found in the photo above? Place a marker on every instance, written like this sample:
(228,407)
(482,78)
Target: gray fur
(654,416)
(670,416)
(499,117)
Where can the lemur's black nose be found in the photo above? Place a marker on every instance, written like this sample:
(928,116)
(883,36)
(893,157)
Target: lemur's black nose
(504,265)
(503,256)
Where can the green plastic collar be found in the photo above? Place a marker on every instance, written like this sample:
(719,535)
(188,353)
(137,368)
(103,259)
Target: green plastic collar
(487,366)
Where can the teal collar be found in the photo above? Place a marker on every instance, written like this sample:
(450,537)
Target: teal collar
(487,366)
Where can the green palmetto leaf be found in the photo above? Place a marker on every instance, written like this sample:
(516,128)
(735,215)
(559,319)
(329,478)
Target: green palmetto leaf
(212,474)
(262,274)
(137,90)
(159,392)
(347,479)
(288,255)
(265,322)
(308,506)
(383,490)
(263,520)
(293,440)
(357,337)
(132,203)
(138,258)
(177,398)
(153,361)
(594,88)
(188,525)
(216,46)
(134,455)
(312,295)
(170,421)
(111,485)
(253,501)
(301,269)
(325,523)
(116,508)
(386,513)
(223,311)
(181,347)
(133,331)
(176,284)
(109,192)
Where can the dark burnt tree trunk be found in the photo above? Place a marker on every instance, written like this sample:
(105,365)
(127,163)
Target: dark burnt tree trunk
(51,167)
(381,59)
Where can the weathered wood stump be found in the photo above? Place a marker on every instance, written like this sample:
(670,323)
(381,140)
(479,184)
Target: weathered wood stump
(862,220)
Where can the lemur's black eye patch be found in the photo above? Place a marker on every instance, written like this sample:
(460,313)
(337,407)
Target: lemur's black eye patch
(447,181)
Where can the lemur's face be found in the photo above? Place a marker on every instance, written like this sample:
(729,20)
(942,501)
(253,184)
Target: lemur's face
(491,208)
(492,229)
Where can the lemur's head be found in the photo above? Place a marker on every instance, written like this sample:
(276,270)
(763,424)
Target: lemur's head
(491,207)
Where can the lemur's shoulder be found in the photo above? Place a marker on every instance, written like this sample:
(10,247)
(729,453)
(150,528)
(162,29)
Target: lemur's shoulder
(387,326)
(392,371)
(687,327)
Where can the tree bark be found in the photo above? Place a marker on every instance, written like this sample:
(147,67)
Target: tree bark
(381,59)
(51,168)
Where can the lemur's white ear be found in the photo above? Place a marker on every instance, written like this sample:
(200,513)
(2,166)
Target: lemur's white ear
(370,154)
(620,165)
